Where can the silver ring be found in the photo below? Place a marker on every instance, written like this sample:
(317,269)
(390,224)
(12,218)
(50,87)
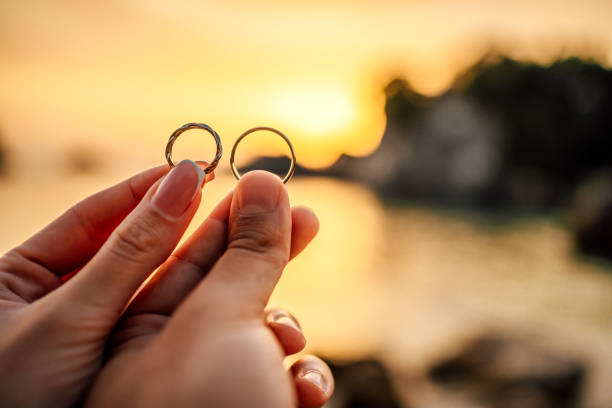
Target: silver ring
(213,164)
(278,132)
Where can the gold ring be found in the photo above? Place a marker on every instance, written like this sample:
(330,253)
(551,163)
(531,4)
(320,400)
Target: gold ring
(213,164)
(278,132)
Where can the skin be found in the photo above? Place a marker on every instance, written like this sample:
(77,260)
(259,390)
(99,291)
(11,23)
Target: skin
(197,334)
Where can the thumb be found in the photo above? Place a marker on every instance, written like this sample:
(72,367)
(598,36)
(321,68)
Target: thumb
(259,240)
(142,242)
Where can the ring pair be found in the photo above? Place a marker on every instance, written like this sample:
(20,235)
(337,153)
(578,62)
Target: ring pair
(213,164)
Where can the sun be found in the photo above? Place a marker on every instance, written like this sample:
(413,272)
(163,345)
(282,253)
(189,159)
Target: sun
(315,112)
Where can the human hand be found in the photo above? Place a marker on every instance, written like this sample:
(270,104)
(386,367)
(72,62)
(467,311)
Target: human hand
(54,321)
(52,335)
(197,334)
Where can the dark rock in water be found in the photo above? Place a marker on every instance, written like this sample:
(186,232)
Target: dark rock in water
(507,133)
(363,384)
(591,216)
(276,165)
(507,373)
(449,156)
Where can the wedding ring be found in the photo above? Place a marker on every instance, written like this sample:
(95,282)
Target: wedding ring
(213,164)
(269,129)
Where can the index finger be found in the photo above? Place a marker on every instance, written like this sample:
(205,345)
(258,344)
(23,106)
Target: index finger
(74,237)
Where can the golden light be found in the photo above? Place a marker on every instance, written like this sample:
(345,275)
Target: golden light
(120,78)
(317,112)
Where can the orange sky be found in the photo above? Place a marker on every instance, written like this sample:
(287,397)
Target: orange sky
(105,75)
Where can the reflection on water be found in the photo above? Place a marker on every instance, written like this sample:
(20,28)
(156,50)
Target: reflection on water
(406,284)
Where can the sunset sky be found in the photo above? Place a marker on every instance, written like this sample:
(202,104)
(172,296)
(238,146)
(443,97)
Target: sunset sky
(117,77)
(109,81)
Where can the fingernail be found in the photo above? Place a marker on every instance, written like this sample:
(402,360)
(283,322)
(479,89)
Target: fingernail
(285,321)
(258,192)
(179,187)
(315,378)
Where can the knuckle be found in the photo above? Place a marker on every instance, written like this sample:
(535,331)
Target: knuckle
(135,239)
(255,234)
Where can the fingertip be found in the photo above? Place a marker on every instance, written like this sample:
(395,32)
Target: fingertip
(306,217)
(305,226)
(262,176)
(286,329)
(259,190)
(309,394)
(313,380)
(293,341)
(177,190)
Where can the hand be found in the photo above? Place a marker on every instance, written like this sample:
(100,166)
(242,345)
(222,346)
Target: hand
(63,290)
(188,341)
(53,334)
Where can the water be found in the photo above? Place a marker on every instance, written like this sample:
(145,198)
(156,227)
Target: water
(405,284)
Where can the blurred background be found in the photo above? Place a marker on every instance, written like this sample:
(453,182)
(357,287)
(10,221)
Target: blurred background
(458,154)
